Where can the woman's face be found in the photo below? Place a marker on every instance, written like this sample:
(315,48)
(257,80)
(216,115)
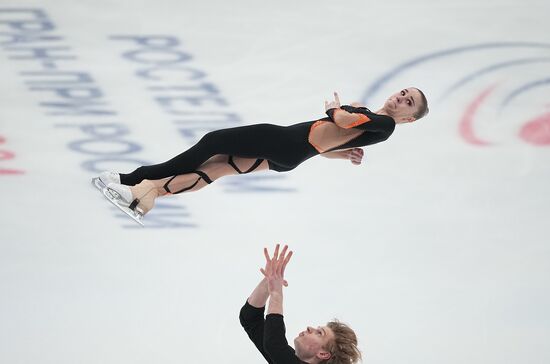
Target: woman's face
(402,105)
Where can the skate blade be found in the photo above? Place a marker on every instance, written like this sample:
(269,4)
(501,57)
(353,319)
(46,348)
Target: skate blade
(112,197)
(96,182)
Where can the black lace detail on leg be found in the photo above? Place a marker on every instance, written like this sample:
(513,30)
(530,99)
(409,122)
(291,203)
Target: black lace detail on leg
(201,175)
(235,167)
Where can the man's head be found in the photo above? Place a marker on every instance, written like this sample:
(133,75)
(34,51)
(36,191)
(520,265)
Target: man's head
(334,343)
(407,105)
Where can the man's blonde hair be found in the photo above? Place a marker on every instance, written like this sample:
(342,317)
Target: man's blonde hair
(343,348)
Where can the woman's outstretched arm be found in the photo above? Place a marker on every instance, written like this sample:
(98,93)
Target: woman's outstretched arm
(341,117)
(355,155)
(346,118)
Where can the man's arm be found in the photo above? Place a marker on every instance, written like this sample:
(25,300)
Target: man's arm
(275,344)
(252,321)
(274,273)
(259,296)
(251,315)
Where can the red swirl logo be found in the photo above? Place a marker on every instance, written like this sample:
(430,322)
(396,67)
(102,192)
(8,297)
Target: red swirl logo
(6,155)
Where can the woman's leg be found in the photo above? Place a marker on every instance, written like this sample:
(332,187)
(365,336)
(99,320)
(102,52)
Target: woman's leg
(145,193)
(213,169)
(252,141)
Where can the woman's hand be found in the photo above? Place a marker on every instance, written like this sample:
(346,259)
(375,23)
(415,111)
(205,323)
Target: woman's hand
(274,270)
(355,155)
(333,104)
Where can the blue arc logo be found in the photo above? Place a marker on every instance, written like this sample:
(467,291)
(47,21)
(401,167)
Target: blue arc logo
(494,80)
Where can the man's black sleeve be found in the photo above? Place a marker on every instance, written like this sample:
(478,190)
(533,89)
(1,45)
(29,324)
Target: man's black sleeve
(275,344)
(252,320)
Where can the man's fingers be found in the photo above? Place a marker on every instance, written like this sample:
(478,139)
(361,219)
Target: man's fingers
(276,252)
(282,255)
(276,264)
(287,259)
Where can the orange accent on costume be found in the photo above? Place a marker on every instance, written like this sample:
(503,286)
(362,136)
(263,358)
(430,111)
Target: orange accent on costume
(362,119)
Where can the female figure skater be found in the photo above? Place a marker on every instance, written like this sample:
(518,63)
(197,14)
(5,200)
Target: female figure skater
(334,343)
(259,147)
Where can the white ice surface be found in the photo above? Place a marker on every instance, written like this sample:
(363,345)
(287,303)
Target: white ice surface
(434,250)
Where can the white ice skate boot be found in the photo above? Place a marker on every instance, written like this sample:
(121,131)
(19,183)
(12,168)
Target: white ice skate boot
(121,192)
(121,196)
(104,179)
(109,177)
(140,197)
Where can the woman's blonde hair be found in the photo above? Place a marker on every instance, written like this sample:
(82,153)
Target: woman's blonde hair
(423,110)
